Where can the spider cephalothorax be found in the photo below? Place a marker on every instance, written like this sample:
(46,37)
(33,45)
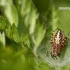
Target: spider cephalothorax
(58,41)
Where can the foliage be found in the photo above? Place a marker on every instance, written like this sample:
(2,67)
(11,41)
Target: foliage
(25,31)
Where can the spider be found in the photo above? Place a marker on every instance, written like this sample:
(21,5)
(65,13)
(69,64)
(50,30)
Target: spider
(58,41)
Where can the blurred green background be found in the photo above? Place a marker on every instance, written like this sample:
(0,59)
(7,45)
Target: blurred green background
(25,31)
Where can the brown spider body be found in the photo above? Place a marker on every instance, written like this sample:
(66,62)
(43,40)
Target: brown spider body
(58,41)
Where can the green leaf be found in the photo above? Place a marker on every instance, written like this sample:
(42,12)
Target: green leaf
(10,11)
(29,14)
(2,38)
(64,17)
(25,39)
(15,34)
